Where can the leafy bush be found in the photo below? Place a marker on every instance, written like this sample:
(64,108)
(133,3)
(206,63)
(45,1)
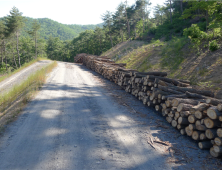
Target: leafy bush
(213,45)
(194,32)
(202,26)
(178,29)
(152,31)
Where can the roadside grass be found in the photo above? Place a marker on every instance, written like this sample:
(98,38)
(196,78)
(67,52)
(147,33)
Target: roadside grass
(21,94)
(22,67)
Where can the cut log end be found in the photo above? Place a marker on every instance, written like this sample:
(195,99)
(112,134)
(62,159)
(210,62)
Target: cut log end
(205,145)
(213,153)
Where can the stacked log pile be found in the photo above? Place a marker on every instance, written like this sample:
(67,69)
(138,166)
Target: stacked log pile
(79,58)
(195,113)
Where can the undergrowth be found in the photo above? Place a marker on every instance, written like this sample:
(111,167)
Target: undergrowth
(172,56)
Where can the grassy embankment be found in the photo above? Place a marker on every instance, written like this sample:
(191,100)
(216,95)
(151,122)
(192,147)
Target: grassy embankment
(5,76)
(11,103)
(177,57)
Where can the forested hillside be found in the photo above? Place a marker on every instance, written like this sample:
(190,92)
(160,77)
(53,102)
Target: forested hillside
(55,29)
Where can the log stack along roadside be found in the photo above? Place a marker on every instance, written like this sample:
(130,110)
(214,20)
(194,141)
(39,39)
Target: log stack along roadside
(79,58)
(195,113)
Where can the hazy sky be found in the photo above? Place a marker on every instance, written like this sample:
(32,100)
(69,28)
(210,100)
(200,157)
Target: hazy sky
(65,11)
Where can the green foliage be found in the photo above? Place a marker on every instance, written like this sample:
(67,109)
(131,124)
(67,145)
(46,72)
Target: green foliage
(213,45)
(55,29)
(14,21)
(194,32)
(195,35)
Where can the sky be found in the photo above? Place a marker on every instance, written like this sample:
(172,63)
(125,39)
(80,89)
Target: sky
(65,11)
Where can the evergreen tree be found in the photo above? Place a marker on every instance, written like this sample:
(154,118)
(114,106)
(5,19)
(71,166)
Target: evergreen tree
(14,24)
(108,21)
(34,33)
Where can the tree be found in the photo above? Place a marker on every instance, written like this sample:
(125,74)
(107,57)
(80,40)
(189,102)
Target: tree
(2,36)
(119,20)
(14,24)
(34,33)
(142,7)
(108,21)
(26,48)
(99,35)
(206,9)
(158,13)
(127,19)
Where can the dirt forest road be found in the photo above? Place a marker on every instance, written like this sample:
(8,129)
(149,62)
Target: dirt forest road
(19,77)
(80,121)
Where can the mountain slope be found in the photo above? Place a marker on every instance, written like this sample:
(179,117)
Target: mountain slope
(55,29)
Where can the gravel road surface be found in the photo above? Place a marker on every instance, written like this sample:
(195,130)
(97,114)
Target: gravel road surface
(19,77)
(81,121)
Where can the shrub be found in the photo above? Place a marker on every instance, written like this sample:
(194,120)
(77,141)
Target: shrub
(193,32)
(152,31)
(178,29)
(213,45)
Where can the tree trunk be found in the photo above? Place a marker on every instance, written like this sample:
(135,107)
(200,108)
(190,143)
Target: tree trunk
(213,153)
(205,145)
(18,49)
(5,55)
(143,25)
(161,19)
(128,28)
(135,30)
(206,19)
(181,6)
(111,38)
(219,107)
(184,107)
(209,123)
(213,113)
(14,60)
(213,101)
(177,101)
(211,133)
(100,45)
(200,107)
(2,54)
(87,46)
(170,12)
(35,46)
(218,141)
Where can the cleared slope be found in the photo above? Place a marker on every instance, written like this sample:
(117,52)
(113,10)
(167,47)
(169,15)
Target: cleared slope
(176,58)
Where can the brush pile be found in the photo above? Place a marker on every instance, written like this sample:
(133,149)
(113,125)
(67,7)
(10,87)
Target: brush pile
(195,113)
(79,58)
